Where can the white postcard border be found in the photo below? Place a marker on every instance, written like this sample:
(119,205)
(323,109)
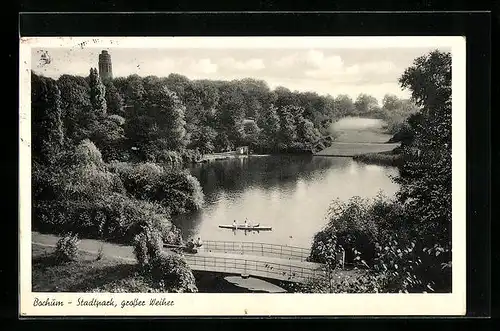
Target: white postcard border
(289,304)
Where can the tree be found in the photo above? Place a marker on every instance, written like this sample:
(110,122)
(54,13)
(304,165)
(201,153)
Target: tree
(269,123)
(75,106)
(307,134)
(166,128)
(425,181)
(97,93)
(344,106)
(288,133)
(426,176)
(365,104)
(230,114)
(429,80)
(391,102)
(251,132)
(203,138)
(114,100)
(47,129)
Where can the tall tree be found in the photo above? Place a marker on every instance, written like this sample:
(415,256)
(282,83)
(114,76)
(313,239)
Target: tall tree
(97,93)
(288,132)
(166,110)
(269,123)
(76,106)
(47,129)
(425,179)
(114,100)
(231,113)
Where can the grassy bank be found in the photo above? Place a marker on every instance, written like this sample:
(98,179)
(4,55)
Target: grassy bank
(389,158)
(87,274)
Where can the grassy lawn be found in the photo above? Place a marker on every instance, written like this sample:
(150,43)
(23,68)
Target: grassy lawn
(84,275)
(352,149)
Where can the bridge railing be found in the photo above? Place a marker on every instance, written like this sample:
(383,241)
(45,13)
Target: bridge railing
(288,272)
(255,248)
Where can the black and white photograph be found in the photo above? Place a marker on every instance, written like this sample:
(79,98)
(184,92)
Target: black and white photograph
(251,166)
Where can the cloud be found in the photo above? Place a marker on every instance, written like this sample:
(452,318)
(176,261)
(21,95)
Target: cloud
(204,66)
(253,64)
(316,65)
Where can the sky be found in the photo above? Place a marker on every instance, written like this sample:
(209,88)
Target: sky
(324,71)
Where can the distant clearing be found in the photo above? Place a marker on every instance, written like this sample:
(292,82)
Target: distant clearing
(358,136)
(360,130)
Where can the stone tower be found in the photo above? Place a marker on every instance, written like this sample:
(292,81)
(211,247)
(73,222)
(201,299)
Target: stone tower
(105,68)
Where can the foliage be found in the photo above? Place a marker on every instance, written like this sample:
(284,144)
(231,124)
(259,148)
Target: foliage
(147,246)
(172,273)
(355,227)
(114,100)
(67,248)
(97,93)
(426,174)
(366,104)
(47,129)
(178,192)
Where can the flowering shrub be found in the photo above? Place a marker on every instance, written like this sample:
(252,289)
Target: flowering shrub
(67,248)
(147,246)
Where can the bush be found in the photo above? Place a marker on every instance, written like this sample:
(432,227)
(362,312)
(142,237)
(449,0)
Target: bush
(382,236)
(350,228)
(116,217)
(178,192)
(67,248)
(147,246)
(357,226)
(172,273)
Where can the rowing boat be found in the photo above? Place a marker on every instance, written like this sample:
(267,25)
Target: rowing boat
(256,227)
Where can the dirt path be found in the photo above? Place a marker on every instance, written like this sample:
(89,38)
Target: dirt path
(88,245)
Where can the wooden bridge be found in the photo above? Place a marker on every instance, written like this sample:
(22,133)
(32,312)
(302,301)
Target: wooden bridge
(286,263)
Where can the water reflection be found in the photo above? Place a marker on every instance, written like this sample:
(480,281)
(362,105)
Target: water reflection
(290,193)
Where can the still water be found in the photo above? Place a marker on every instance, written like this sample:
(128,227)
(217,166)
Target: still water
(291,193)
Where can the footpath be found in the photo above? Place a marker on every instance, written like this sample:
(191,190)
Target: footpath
(88,246)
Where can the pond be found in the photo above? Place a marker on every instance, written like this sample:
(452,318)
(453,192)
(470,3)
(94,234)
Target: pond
(290,193)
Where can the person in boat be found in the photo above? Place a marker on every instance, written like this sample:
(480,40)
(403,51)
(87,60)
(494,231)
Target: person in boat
(199,243)
(235,225)
(246,224)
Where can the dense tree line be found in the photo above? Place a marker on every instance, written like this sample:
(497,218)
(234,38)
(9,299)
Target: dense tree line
(148,118)
(404,242)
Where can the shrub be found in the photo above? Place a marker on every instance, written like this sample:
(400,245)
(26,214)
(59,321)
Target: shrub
(67,248)
(87,153)
(180,192)
(147,246)
(115,217)
(172,273)
(358,226)
(350,228)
